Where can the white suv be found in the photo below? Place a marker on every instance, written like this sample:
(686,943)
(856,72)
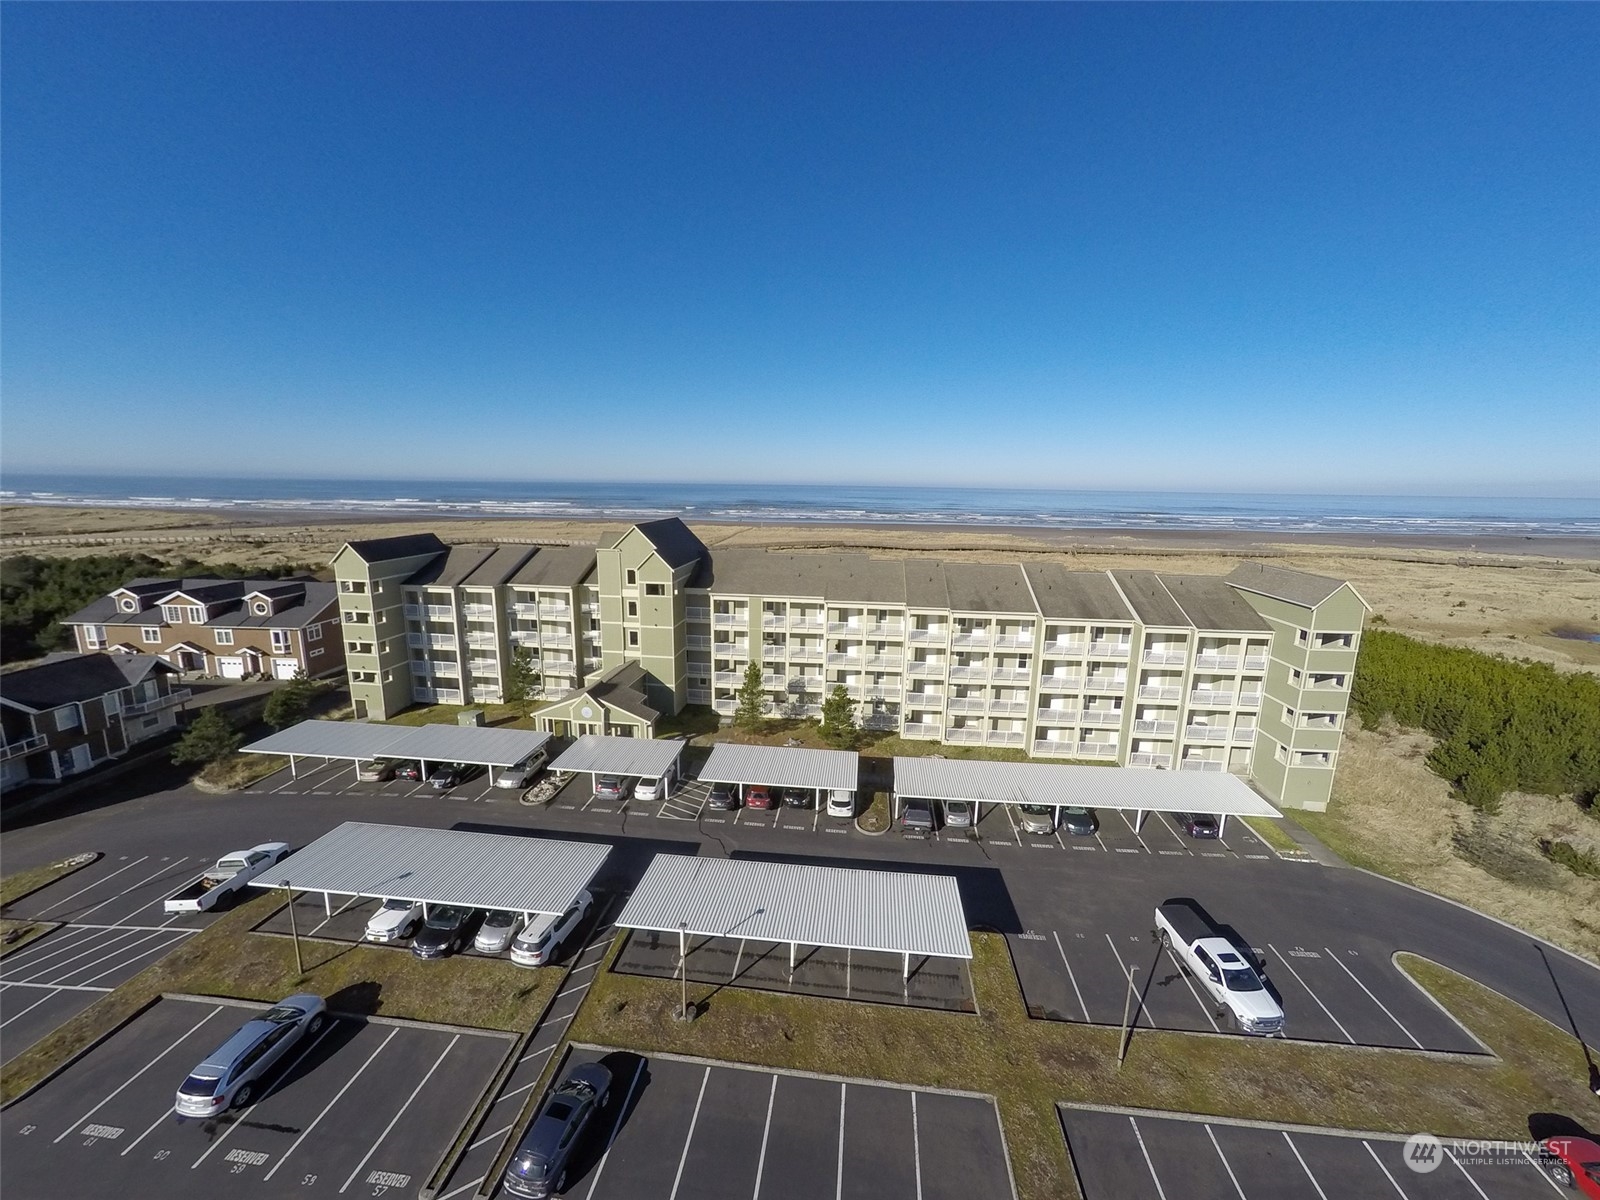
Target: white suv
(395,921)
(539,940)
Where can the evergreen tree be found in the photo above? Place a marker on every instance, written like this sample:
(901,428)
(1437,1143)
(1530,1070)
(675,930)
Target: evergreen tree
(288,704)
(751,699)
(211,737)
(839,726)
(522,682)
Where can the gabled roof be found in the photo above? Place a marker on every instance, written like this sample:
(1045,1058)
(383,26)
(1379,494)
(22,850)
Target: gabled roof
(310,596)
(555,566)
(620,688)
(65,679)
(1075,595)
(1210,603)
(987,587)
(137,667)
(206,591)
(1151,602)
(451,567)
(1283,583)
(406,545)
(147,587)
(500,566)
(673,541)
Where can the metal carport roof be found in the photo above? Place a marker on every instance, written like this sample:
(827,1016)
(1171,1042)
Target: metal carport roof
(442,866)
(782,766)
(1135,789)
(431,743)
(891,911)
(619,756)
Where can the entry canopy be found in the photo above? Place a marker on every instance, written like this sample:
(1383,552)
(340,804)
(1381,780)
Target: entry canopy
(602,755)
(442,866)
(1132,789)
(891,911)
(430,743)
(782,766)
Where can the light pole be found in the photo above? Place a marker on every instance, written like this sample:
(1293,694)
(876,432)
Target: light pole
(683,968)
(294,930)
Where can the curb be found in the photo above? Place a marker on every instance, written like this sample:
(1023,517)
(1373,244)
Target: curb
(92,1044)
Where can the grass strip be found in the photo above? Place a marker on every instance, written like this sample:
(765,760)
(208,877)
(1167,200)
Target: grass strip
(1030,1065)
(1271,832)
(24,883)
(14,935)
(237,771)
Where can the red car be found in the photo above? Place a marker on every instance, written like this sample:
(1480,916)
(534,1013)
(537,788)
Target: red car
(1573,1162)
(758,797)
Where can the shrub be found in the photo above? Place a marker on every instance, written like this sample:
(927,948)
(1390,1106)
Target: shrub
(1580,862)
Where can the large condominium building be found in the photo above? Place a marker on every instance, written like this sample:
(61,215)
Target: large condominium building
(1248,673)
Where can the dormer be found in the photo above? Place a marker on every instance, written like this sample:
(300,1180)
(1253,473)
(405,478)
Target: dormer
(269,601)
(136,597)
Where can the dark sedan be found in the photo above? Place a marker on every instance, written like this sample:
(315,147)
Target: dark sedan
(444,931)
(799,798)
(538,1169)
(723,798)
(1198,825)
(1079,822)
(408,769)
(450,774)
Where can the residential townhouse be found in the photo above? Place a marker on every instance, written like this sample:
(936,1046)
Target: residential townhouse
(228,628)
(1250,673)
(74,711)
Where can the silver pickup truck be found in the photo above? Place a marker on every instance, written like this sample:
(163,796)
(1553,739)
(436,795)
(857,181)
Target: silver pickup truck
(229,875)
(1219,966)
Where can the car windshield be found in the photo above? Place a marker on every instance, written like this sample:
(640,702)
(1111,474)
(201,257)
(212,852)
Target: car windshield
(499,920)
(1076,812)
(1240,978)
(199,1085)
(282,1015)
(1036,810)
(443,918)
(396,905)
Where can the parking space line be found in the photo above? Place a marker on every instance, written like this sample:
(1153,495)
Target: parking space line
(1542,1174)
(1150,1166)
(1310,993)
(304,1133)
(27,1010)
(92,886)
(916,1143)
(1226,1165)
(1303,1166)
(537,1053)
(150,1130)
(57,987)
(125,1083)
(366,1158)
(489,1137)
(43,951)
(838,1189)
(1161,820)
(1463,1171)
(463,1188)
(766,1132)
(1135,831)
(1127,978)
(104,948)
(245,1115)
(693,1121)
(586,967)
(1384,1169)
(1189,983)
(338,912)
(127,962)
(570,990)
(1072,976)
(615,1129)
(1373,998)
(165,867)
(1015,832)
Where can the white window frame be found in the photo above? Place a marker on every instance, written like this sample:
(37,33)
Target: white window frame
(196,615)
(314,632)
(151,634)
(172,613)
(282,643)
(68,717)
(224,636)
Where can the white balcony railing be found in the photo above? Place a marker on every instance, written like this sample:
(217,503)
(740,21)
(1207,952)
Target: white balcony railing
(1205,733)
(1104,720)
(915,729)
(1163,658)
(448,669)
(558,639)
(175,696)
(774,651)
(1159,693)
(1245,735)
(484,641)
(1009,707)
(845,628)
(693,613)
(525,637)
(963,735)
(697,641)
(1201,764)
(1094,684)
(441,612)
(968,704)
(479,611)
(836,659)
(880,692)
(441,641)
(1070,649)
(697,696)
(969,672)
(1141,758)
(1255,662)
(924,670)
(774,621)
(805,624)
(731,649)
(419,666)
(1014,641)
(22,746)
(971,637)
(885,662)
(1158,727)
(1044,746)
(522,609)
(1005,737)
(1097,750)
(1061,683)
(1056,716)
(1216,662)
(775,681)
(484,666)
(413,612)
(725,707)
(555,610)
(929,635)
(802,654)
(589,608)
(1249,699)
(1109,649)
(727,678)
(1210,698)
(1011,674)
(890,629)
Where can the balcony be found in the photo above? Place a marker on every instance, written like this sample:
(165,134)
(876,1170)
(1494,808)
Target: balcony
(1201,764)
(972,637)
(1244,736)
(483,641)
(964,735)
(697,614)
(1109,649)
(419,666)
(727,678)
(969,672)
(591,665)
(1096,750)
(730,620)
(1001,737)
(775,681)
(1018,708)
(176,696)
(968,704)
(560,666)
(1070,649)
(449,670)
(1167,728)
(481,612)
(1104,720)
(525,637)
(1094,684)
(589,608)
(805,624)
(1011,674)
(1164,658)
(1144,759)
(801,654)
(1205,733)
(929,635)
(731,649)
(484,666)
(555,610)
(889,629)
(921,729)
(885,662)
(1056,716)
(1255,662)
(1061,683)
(1160,693)
(413,612)
(1216,662)
(697,696)
(1014,641)
(924,670)
(696,641)
(725,707)
(880,692)
(441,612)
(836,659)
(21,746)
(1045,747)
(774,621)
(774,651)
(558,639)
(1207,698)
(1249,699)
(845,628)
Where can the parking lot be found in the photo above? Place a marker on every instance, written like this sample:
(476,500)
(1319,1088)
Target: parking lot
(1122,1155)
(677,1128)
(111,927)
(361,1108)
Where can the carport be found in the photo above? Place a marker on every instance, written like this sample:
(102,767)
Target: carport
(440,866)
(821,771)
(359,741)
(840,908)
(1060,785)
(637,758)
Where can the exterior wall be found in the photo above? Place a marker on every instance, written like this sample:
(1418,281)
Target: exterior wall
(636,626)
(583,715)
(38,748)
(321,656)
(375,651)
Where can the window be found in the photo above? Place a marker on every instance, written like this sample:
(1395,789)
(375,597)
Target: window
(1288,714)
(655,589)
(357,586)
(280,641)
(314,632)
(633,637)
(68,717)
(1300,636)
(594,624)
(172,613)
(151,633)
(315,650)
(196,614)
(633,608)
(633,578)
(94,636)
(261,608)
(128,604)
(224,637)
(1294,676)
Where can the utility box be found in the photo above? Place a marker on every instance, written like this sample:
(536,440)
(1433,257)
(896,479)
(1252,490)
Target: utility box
(473,716)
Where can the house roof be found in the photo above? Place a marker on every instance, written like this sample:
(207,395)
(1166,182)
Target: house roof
(316,595)
(555,566)
(64,679)
(620,687)
(500,566)
(408,545)
(451,567)
(1076,595)
(988,587)
(1282,583)
(1210,603)
(673,540)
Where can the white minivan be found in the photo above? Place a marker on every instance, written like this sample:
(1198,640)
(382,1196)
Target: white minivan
(541,937)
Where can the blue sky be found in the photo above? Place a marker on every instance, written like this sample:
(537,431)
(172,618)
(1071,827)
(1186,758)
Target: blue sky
(1266,247)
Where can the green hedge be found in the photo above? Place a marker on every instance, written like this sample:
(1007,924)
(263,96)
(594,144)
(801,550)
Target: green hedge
(1502,725)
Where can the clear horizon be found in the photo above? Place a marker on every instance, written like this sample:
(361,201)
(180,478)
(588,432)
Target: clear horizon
(1273,250)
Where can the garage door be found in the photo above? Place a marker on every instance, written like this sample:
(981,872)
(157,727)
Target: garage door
(284,668)
(230,668)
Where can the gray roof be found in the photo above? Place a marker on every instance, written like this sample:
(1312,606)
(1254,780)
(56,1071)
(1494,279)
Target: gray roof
(406,545)
(1297,587)
(556,566)
(988,587)
(317,597)
(452,567)
(442,866)
(925,584)
(892,911)
(1131,789)
(65,679)
(781,766)
(619,756)
(1210,603)
(673,540)
(1076,595)
(500,566)
(1151,602)
(432,743)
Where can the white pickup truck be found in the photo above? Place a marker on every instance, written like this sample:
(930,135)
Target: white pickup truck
(230,874)
(1219,966)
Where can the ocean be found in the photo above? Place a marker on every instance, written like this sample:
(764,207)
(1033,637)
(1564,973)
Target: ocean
(828,504)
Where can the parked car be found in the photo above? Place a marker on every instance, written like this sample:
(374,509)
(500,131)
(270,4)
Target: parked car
(1572,1162)
(496,932)
(799,798)
(375,770)
(756,796)
(1080,822)
(231,1074)
(958,814)
(538,1169)
(395,921)
(841,803)
(1198,825)
(610,787)
(408,768)
(1036,818)
(444,931)
(917,816)
(650,788)
(449,775)
(226,878)
(523,773)
(539,940)
(723,797)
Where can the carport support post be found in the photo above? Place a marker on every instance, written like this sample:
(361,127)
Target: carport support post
(293,773)
(1222,825)
(1127,1008)
(327,904)
(294,930)
(683,969)
(905,968)
(1139,822)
